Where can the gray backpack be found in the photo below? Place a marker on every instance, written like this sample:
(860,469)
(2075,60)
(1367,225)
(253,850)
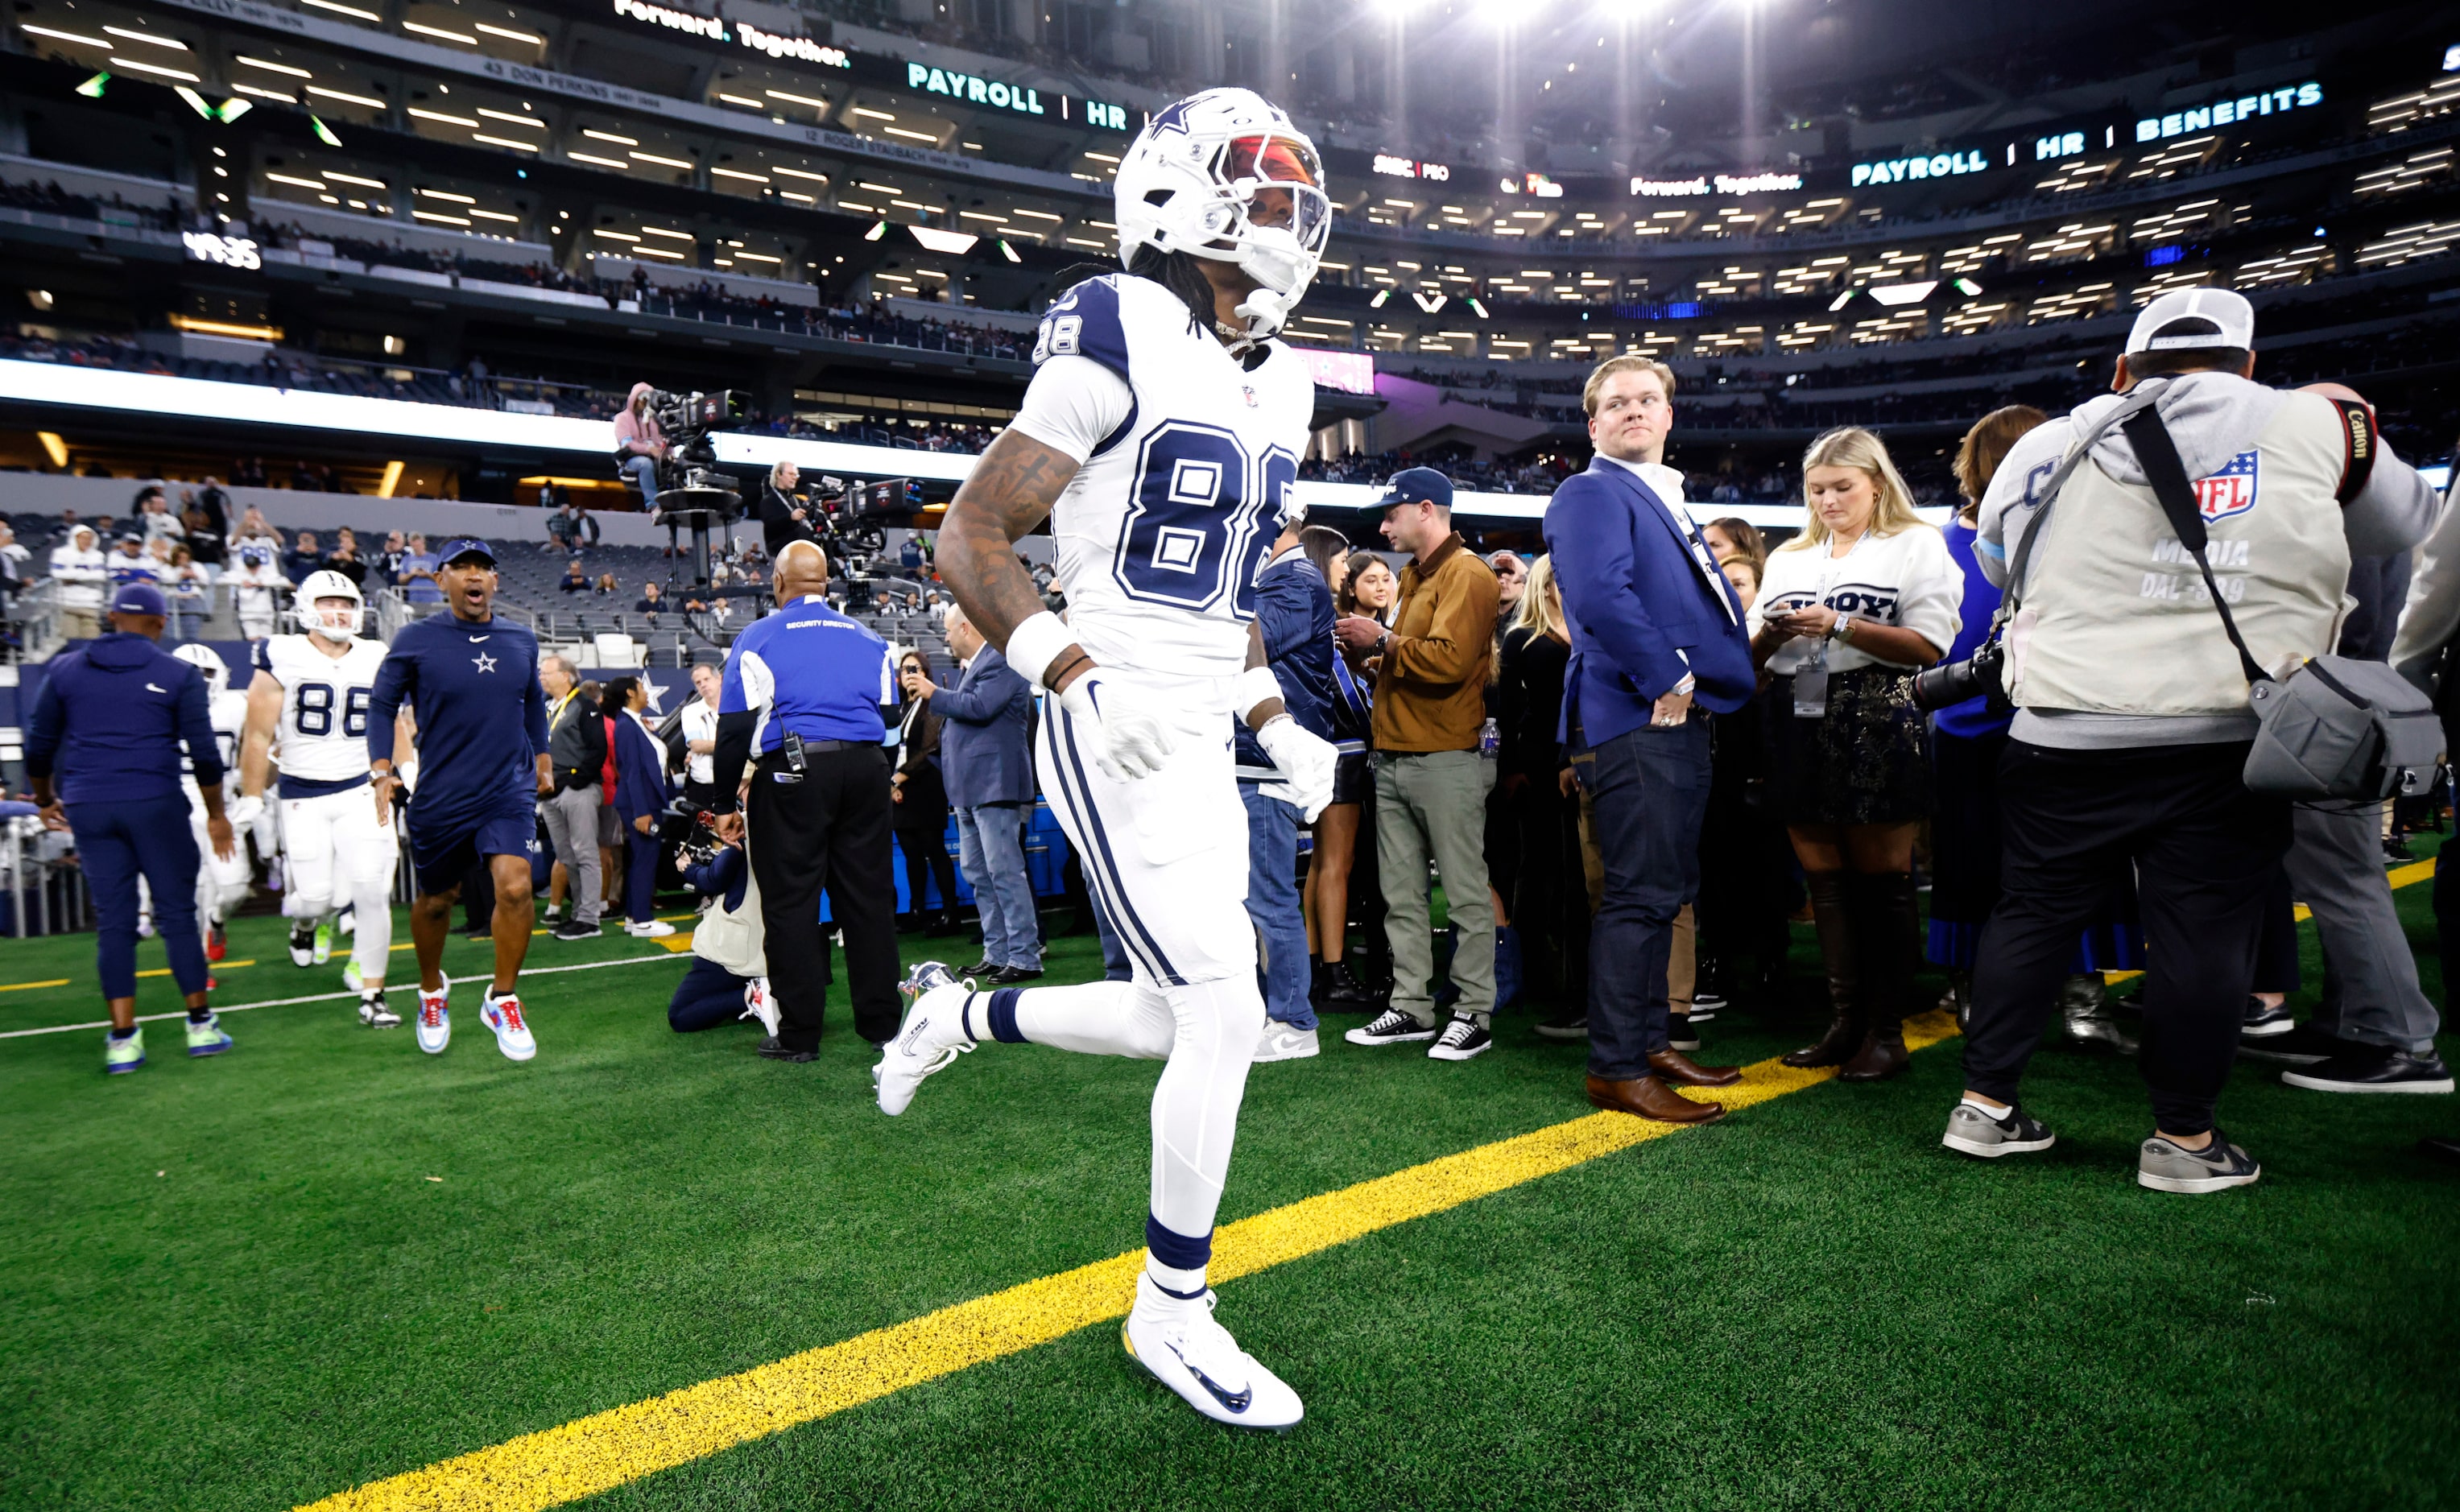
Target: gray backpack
(2336,728)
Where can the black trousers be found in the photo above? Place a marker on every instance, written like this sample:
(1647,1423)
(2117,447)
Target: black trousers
(2205,851)
(829,829)
(927,860)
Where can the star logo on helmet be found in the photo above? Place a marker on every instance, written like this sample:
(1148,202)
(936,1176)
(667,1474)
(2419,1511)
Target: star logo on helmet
(1174,118)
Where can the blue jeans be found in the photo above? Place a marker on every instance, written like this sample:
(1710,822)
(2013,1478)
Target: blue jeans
(1273,904)
(118,840)
(645,472)
(1115,965)
(1649,790)
(990,841)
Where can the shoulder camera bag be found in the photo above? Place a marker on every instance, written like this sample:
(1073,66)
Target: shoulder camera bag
(2337,726)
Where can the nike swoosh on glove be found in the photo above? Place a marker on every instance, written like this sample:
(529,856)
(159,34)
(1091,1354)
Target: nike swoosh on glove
(1305,759)
(1130,737)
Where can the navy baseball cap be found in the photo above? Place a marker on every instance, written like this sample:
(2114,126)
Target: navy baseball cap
(461,546)
(140,599)
(1411,485)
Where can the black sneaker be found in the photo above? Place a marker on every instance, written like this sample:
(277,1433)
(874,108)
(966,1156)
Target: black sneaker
(479,935)
(2396,852)
(1707,990)
(1339,991)
(2263,1021)
(1570,1026)
(1464,1039)
(2373,1068)
(774,1048)
(1679,1033)
(1391,1027)
(575,929)
(2304,1045)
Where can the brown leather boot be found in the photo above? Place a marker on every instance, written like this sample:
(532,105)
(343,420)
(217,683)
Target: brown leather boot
(1646,1097)
(1882,1056)
(1829,912)
(1674,1066)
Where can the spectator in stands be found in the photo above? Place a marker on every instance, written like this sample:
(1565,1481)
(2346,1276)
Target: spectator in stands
(985,762)
(205,537)
(155,518)
(641,444)
(387,565)
(1511,577)
(574,579)
(1368,588)
(249,472)
(81,570)
(65,528)
(1865,594)
(418,571)
(1430,782)
(18,560)
(640,798)
(255,586)
(909,556)
(189,592)
(252,526)
(921,818)
(345,557)
(570,529)
(132,562)
(216,504)
(147,497)
(304,558)
(785,514)
(605,587)
(649,604)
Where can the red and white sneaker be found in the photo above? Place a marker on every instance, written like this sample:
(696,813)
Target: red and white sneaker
(503,1015)
(217,944)
(761,1003)
(435,1020)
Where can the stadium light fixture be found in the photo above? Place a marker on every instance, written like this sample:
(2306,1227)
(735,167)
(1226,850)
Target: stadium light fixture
(91,88)
(232,109)
(1841,301)
(1967,287)
(1480,308)
(1381,295)
(324,132)
(1893,295)
(54,446)
(958,243)
(196,101)
(1009,252)
(878,230)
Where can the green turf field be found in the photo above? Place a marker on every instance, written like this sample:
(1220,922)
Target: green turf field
(324,1259)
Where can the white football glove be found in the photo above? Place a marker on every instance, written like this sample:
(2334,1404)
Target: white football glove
(1125,728)
(1306,759)
(243,810)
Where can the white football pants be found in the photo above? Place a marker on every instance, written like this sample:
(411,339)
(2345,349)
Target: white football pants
(337,853)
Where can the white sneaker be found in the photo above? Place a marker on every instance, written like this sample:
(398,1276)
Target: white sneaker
(932,1038)
(649,929)
(503,1015)
(1282,1042)
(761,1003)
(1177,1340)
(550,913)
(374,1015)
(303,944)
(435,1017)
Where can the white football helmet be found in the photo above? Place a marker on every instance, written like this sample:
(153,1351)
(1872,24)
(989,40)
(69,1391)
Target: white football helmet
(1225,175)
(206,659)
(324,584)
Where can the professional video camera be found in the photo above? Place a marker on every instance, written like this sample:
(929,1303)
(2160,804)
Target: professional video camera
(693,492)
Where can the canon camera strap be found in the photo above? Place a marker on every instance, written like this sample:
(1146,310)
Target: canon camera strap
(2168,476)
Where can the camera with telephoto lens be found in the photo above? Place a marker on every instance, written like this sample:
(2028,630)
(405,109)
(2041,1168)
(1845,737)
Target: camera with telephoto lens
(689,476)
(1981,674)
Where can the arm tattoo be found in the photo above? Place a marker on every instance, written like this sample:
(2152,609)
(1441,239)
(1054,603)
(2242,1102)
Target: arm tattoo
(1010,492)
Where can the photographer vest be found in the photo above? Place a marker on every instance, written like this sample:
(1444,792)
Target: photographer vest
(2115,618)
(734,938)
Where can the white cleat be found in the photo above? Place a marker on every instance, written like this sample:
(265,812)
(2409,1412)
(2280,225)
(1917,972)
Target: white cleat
(503,1015)
(761,1003)
(932,1037)
(435,1017)
(1178,1341)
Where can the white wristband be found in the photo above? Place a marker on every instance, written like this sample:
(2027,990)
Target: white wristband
(1255,685)
(1034,644)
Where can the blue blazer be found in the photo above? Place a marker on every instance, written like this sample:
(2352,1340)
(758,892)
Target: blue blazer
(639,772)
(1639,605)
(985,751)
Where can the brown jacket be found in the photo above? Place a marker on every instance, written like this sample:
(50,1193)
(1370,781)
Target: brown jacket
(1431,695)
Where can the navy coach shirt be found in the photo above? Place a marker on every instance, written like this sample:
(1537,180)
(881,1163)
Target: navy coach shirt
(811,670)
(111,718)
(481,717)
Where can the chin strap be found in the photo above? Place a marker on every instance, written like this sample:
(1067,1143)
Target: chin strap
(1264,310)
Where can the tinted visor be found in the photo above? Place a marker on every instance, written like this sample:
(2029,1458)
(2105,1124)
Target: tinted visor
(1273,159)
(1288,186)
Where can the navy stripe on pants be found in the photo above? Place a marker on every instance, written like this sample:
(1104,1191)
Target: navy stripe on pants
(115,842)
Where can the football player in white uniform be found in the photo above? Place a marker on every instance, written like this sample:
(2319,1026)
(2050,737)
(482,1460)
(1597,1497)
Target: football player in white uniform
(221,884)
(1161,436)
(308,709)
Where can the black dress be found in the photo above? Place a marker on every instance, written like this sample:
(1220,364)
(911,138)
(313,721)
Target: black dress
(920,816)
(1549,896)
(1865,762)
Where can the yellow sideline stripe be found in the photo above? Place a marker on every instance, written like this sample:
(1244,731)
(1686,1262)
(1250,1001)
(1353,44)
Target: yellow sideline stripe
(608,1449)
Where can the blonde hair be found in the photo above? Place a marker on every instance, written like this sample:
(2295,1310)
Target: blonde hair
(1626,363)
(1853,447)
(1535,612)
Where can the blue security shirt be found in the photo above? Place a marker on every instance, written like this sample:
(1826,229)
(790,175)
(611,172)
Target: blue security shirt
(474,689)
(111,719)
(811,670)
(1974,718)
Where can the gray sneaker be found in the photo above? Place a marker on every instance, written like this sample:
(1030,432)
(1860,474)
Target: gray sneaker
(2164,1167)
(1282,1042)
(1971,1131)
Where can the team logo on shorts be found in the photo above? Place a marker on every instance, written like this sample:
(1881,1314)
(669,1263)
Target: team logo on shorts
(2229,492)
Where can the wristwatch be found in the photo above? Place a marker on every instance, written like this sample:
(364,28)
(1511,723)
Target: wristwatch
(1843,629)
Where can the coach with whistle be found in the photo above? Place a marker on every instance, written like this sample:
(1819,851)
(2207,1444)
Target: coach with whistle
(801,704)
